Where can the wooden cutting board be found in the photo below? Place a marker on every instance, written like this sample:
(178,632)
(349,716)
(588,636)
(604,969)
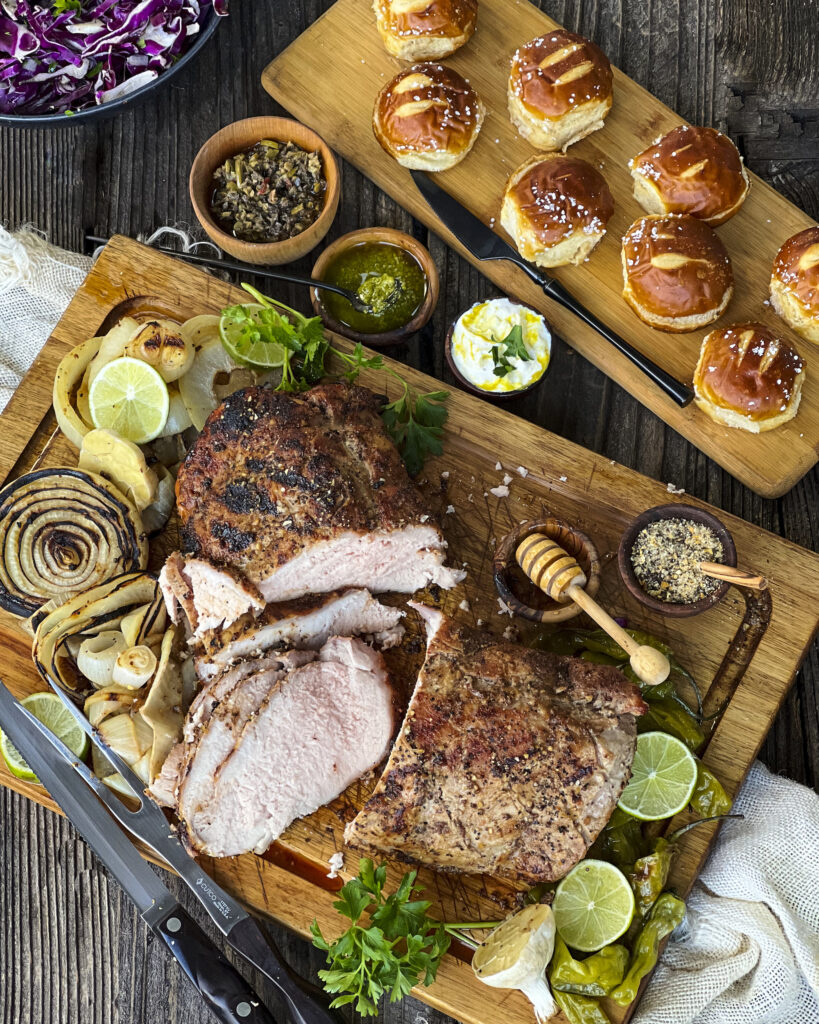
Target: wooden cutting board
(329,78)
(481,446)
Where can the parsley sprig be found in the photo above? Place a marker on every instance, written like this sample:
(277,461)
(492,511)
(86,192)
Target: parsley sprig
(396,947)
(414,421)
(513,347)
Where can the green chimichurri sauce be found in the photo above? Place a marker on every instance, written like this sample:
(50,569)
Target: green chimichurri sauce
(363,263)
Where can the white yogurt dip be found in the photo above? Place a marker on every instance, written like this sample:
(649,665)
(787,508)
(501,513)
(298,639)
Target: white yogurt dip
(478,348)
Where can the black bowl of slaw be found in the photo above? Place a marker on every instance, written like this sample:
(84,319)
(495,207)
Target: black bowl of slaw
(106,110)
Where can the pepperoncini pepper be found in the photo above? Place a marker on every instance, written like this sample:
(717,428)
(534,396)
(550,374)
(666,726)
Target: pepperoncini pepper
(595,976)
(649,876)
(667,913)
(578,1009)
(709,799)
(669,716)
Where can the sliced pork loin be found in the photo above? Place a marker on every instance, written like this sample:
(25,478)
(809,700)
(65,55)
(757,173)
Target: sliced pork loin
(207,595)
(306,494)
(277,741)
(307,624)
(510,761)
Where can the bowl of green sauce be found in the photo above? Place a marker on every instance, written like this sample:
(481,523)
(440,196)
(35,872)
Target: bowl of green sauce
(390,271)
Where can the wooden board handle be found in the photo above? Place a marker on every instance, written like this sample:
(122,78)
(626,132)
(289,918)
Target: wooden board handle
(739,577)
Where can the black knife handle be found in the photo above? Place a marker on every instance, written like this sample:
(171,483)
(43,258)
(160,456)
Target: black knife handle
(306,1003)
(681,393)
(227,994)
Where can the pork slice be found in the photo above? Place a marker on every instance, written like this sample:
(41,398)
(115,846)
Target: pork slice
(306,494)
(307,623)
(213,739)
(320,728)
(163,788)
(509,761)
(208,595)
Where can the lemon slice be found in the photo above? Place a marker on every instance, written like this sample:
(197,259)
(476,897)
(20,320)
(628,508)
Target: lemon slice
(244,344)
(663,777)
(51,711)
(130,398)
(516,954)
(593,905)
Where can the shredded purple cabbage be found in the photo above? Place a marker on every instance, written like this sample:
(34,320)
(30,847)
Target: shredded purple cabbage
(60,56)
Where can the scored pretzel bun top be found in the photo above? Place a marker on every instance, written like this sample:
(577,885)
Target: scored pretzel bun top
(795,283)
(676,273)
(425,29)
(748,377)
(556,209)
(560,89)
(691,170)
(428,117)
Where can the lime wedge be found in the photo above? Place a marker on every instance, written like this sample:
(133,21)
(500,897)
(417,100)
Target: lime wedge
(130,398)
(663,776)
(51,711)
(244,344)
(593,905)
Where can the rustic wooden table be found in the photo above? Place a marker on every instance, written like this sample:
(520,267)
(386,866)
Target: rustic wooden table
(72,948)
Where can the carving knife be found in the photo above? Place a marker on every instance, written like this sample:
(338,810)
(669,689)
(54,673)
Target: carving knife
(484,244)
(306,1003)
(228,995)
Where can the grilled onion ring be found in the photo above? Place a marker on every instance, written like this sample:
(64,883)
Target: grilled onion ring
(63,531)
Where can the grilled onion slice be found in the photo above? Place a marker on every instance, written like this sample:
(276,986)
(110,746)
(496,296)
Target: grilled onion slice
(63,531)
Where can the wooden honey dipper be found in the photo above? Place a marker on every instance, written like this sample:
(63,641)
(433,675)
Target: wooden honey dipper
(559,576)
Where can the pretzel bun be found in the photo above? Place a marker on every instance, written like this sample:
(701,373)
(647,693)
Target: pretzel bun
(748,377)
(425,29)
(560,89)
(795,283)
(691,170)
(676,273)
(428,117)
(556,209)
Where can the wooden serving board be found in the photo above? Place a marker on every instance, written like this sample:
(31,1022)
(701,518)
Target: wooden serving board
(329,78)
(482,444)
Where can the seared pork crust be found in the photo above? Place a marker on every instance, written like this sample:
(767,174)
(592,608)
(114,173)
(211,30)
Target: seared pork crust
(273,473)
(510,761)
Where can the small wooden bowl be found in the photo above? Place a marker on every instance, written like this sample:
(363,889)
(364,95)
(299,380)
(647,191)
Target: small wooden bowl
(673,511)
(494,396)
(401,241)
(518,591)
(235,138)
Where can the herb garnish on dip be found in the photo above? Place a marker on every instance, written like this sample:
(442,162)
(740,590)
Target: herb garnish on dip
(501,346)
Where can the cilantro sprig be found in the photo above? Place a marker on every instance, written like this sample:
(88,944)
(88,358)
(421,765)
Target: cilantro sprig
(391,944)
(414,421)
(510,347)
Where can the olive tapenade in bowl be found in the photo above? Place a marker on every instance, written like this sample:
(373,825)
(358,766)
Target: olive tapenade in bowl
(265,189)
(390,273)
(660,554)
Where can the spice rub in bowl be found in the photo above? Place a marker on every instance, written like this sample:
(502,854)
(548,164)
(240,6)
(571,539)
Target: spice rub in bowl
(660,554)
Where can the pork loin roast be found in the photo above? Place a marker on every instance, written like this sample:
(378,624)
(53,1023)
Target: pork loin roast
(272,739)
(510,761)
(303,494)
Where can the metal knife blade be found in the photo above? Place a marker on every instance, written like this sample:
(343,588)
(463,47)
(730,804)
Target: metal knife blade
(228,995)
(484,244)
(471,232)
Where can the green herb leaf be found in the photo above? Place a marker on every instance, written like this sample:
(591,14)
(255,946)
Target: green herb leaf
(415,422)
(61,6)
(514,347)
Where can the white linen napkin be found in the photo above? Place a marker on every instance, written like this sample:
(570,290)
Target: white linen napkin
(748,952)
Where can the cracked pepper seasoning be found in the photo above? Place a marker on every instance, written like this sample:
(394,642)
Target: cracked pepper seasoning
(270,192)
(666,560)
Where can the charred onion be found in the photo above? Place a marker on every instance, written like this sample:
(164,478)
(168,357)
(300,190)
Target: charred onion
(61,532)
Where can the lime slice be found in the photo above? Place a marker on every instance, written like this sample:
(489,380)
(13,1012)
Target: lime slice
(663,776)
(51,711)
(238,338)
(130,398)
(593,905)
(518,946)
